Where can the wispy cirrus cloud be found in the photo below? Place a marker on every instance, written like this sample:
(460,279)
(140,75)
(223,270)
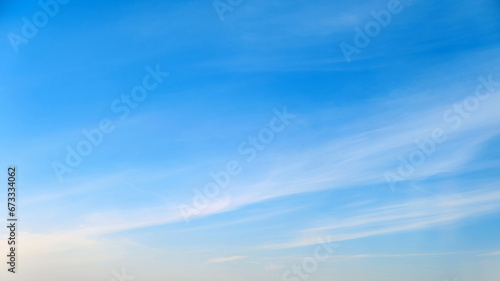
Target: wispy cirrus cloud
(226,259)
(496,253)
(406,216)
(357,160)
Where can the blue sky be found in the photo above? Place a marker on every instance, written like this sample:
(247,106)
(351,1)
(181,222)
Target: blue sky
(322,176)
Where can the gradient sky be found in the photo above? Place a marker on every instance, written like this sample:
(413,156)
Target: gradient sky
(322,176)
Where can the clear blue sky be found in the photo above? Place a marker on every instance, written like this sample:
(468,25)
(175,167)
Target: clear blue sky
(323,174)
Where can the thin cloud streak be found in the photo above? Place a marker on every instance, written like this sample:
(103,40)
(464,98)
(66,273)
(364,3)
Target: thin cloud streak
(412,215)
(220,260)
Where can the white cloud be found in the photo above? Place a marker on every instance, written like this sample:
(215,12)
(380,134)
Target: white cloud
(219,260)
(273,266)
(411,215)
